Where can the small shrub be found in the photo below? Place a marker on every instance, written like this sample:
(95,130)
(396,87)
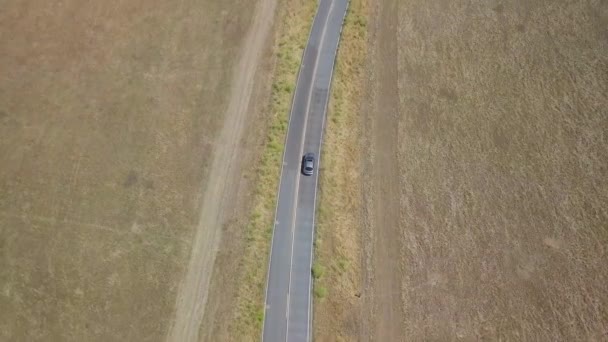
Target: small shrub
(320,292)
(343,264)
(317,271)
(259,315)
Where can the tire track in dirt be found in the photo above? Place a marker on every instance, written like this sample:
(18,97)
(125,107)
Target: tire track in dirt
(383,252)
(222,183)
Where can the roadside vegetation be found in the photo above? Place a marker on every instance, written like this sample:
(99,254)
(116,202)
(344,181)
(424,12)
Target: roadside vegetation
(295,20)
(337,246)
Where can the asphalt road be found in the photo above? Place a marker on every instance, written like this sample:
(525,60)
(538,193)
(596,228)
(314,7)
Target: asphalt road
(288,314)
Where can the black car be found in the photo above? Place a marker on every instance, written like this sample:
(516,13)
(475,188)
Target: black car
(308,164)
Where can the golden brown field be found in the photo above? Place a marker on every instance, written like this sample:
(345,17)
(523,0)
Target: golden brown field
(108,114)
(485,159)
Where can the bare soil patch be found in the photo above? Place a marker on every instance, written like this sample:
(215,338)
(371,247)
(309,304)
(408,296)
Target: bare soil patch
(501,158)
(107,121)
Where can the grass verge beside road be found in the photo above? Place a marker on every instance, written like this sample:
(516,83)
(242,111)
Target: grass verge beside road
(296,19)
(337,244)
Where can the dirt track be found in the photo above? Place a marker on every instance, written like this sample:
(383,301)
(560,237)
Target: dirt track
(222,184)
(384,309)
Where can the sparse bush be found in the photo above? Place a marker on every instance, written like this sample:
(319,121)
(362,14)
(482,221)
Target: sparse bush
(317,271)
(320,292)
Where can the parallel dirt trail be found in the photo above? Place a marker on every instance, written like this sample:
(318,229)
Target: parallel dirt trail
(221,184)
(384,253)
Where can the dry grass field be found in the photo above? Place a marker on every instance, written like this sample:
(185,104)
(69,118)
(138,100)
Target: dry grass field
(108,114)
(485,188)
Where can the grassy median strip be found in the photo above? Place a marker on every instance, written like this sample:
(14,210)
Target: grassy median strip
(337,244)
(295,20)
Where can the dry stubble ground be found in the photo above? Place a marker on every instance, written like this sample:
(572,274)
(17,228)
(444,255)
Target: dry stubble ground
(502,126)
(107,114)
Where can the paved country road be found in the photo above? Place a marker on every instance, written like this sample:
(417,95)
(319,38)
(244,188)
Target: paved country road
(288,314)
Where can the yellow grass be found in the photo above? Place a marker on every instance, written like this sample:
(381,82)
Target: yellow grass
(337,245)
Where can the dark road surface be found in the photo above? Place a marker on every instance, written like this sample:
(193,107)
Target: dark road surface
(288,314)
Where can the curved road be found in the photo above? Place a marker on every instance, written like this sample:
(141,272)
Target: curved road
(288,314)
